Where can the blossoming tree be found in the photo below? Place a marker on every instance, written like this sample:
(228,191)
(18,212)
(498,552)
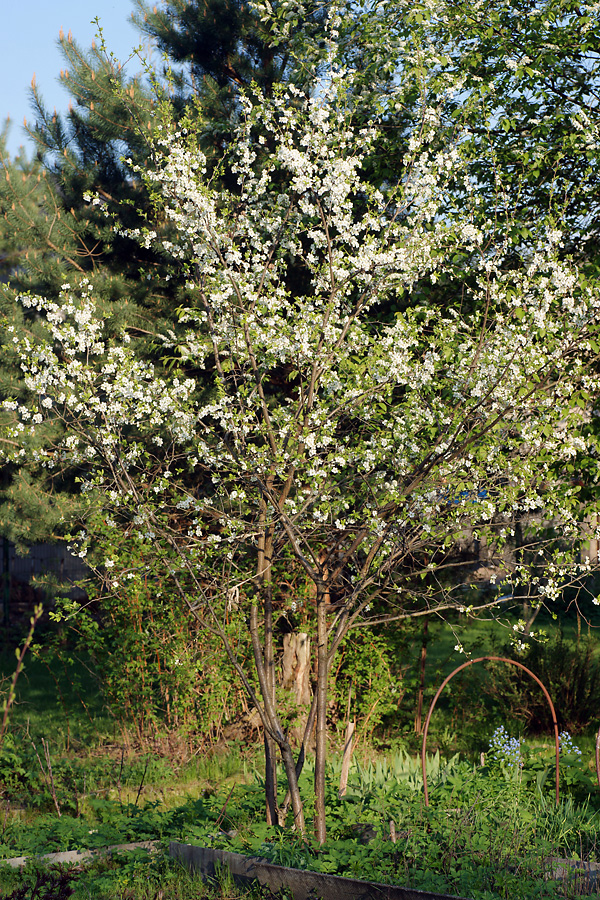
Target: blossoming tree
(301,426)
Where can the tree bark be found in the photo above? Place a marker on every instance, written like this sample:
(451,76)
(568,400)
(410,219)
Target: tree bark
(421,692)
(293,789)
(266,665)
(270,745)
(321,735)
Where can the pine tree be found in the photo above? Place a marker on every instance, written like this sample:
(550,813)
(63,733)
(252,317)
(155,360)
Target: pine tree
(58,213)
(219,47)
(79,157)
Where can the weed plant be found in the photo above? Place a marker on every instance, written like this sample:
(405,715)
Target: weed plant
(76,785)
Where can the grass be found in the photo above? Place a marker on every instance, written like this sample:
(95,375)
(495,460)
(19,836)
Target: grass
(58,703)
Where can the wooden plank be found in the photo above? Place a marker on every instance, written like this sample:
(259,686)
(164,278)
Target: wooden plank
(75,856)
(302,884)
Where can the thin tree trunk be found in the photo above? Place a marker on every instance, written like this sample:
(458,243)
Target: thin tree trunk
(272,815)
(270,722)
(293,790)
(308,728)
(264,576)
(422,665)
(270,745)
(321,735)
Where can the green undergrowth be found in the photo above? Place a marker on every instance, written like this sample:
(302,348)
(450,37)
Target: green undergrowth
(486,833)
(489,831)
(60,699)
(35,778)
(137,875)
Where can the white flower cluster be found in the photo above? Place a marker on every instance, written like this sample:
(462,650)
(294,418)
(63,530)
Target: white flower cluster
(392,431)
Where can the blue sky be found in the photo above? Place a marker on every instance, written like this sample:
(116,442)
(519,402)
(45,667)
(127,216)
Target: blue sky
(28,45)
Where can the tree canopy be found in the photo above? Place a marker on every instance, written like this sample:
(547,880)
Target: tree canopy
(296,428)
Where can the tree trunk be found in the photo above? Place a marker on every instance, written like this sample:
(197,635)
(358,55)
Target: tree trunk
(266,665)
(422,665)
(295,677)
(268,716)
(293,790)
(270,745)
(321,735)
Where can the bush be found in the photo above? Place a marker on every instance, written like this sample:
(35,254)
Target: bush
(569,670)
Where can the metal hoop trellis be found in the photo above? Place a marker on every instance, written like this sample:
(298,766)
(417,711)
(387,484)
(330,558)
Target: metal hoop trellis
(472,662)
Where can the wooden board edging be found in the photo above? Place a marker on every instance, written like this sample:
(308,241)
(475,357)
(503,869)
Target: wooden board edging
(75,856)
(304,885)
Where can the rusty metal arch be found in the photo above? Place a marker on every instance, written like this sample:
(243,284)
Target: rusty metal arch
(471,662)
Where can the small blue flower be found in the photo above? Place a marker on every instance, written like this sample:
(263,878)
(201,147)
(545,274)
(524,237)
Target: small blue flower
(505,749)
(567,747)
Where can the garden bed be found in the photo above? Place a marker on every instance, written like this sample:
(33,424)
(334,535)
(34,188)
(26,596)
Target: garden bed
(73,857)
(304,885)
